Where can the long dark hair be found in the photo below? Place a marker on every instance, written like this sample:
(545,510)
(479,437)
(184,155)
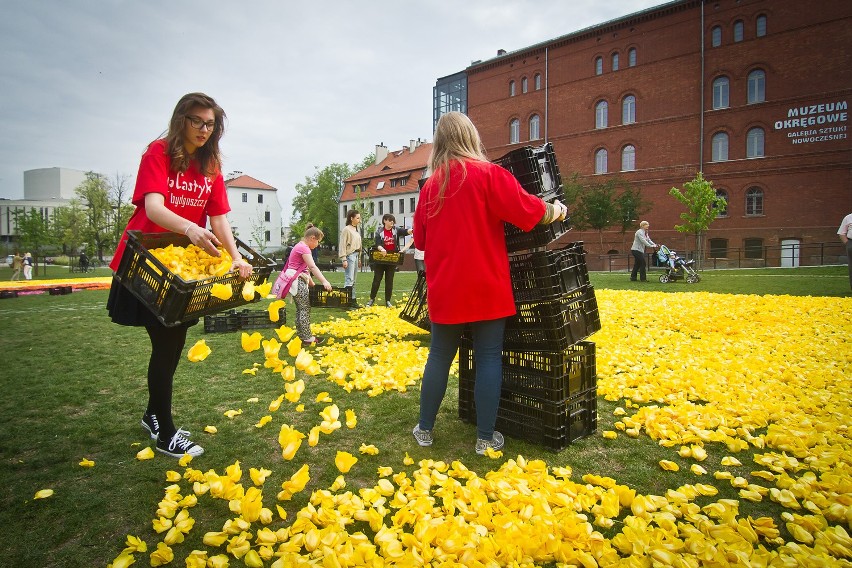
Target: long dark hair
(208,156)
(351,215)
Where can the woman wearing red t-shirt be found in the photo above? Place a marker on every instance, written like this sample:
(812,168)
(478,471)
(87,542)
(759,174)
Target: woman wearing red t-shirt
(459,224)
(387,240)
(178,188)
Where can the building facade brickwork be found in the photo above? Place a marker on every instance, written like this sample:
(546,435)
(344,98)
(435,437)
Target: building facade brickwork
(753,93)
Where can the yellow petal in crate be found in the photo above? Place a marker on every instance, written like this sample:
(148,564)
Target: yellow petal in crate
(248,291)
(251,342)
(199,351)
(222,291)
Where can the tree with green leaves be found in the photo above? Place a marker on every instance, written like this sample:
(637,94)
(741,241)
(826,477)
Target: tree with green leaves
(629,207)
(94,197)
(65,227)
(702,205)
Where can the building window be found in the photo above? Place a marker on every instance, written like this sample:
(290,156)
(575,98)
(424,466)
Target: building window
(390,206)
(754,201)
(524,88)
(511,88)
(598,65)
(738,30)
(756,86)
(754,143)
(753,248)
(344,210)
(601,113)
(631,57)
(260,198)
(600,161)
(402,206)
(268,236)
(411,204)
(722,211)
(537,81)
(381,207)
(760,26)
(267,216)
(720,147)
(716,36)
(718,248)
(615,61)
(514,131)
(399,181)
(721,88)
(372,208)
(245,198)
(628,110)
(628,158)
(534,127)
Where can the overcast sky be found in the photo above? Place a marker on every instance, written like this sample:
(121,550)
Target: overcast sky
(87,84)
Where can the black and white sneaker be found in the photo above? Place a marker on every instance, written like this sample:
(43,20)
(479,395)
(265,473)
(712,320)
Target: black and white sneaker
(150,423)
(179,445)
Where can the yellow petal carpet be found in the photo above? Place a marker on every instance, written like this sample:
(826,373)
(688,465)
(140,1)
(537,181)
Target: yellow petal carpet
(701,374)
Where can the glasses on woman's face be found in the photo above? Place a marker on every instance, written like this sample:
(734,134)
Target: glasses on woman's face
(199,124)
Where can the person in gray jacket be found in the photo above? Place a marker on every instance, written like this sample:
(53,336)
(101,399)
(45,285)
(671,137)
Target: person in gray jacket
(640,242)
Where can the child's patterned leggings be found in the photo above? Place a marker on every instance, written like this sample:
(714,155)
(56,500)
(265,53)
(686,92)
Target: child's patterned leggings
(303,310)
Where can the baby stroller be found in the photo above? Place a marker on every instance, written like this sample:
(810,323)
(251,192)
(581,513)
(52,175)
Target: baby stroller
(677,268)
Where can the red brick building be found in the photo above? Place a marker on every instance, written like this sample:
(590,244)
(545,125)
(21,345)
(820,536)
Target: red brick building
(754,93)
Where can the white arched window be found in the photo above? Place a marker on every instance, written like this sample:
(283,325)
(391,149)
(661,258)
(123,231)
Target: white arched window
(628,158)
(754,201)
(514,131)
(631,57)
(537,81)
(535,129)
(600,161)
(738,30)
(760,26)
(615,61)
(721,90)
(716,36)
(754,143)
(756,86)
(598,65)
(511,88)
(720,147)
(524,84)
(628,110)
(601,114)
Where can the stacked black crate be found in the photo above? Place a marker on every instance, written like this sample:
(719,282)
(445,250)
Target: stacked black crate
(549,390)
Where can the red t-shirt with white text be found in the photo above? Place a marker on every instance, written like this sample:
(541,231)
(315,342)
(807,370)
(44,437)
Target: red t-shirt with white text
(390,240)
(189,194)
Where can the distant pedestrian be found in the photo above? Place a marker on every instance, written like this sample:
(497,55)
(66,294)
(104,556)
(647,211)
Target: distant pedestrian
(84,262)
(28,266)
(845,233)
(350,252)
(17,264)
(640,241)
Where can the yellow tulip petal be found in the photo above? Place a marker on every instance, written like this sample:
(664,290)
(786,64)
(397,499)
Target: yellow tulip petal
(248,291)
(211,429)
(199,351)
(43,494)
(145,454)
(273,308)
(222,291)
(344,461)
(85,462)
(250,342)
(668,465)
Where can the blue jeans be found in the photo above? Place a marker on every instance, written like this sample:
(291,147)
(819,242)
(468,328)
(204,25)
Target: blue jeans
(351,270)
(487,352)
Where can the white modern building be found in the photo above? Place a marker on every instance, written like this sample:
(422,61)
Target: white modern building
(255,212)
(45,189)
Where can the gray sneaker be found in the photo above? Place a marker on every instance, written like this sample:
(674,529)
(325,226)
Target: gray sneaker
(423,437)
(370,302)
(496,443)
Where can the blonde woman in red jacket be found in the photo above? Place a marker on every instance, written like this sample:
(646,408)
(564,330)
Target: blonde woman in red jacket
(459,224)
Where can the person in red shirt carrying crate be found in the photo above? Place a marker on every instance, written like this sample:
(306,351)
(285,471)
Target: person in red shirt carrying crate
(179,188)
(387,245)
(459,223)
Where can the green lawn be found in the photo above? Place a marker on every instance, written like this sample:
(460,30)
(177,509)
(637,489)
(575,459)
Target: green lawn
(74,387)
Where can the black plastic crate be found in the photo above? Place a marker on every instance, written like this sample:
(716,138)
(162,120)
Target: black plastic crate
(338,297)
(535,168)
(8,294)
(548,274)
(416,311)
(379,257)
(553,325)
(236,320)
(540,236)
(59,290)
(548,375)
(172,299)
(554,425)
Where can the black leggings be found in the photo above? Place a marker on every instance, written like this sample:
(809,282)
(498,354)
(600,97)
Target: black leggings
(386,270)
(166,348)
(638,266)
